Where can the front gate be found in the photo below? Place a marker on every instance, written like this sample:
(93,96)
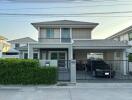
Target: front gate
(63,70)
(103,69)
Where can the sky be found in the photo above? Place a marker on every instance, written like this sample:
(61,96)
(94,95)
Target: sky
(13,27)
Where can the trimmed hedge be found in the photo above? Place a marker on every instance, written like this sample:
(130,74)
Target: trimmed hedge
(20,71)
(130,57)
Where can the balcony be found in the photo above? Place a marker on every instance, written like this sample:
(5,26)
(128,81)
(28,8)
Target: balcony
(54,40)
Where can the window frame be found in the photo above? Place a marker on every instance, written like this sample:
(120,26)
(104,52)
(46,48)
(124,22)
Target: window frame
(130,36)
(17,45)
(37,55)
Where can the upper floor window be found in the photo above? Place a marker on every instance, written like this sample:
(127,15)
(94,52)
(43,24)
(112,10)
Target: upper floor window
(130,36)
(17,45)
(50,33)
(65,35)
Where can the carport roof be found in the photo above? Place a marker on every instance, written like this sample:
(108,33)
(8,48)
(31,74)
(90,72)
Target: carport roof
(100,44)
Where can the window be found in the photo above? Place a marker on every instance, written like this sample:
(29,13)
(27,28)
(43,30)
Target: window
(65,35)
(25,55)
(35,55)
(54,56)
(130,36)
(50,33)
(17,45)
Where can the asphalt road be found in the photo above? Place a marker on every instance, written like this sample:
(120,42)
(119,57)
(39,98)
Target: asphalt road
(91,91)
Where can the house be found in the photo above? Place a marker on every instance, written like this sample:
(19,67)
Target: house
(125,36)
(4,46)
(19,47)
(67,41)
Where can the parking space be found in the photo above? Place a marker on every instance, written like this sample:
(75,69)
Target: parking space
(103,69)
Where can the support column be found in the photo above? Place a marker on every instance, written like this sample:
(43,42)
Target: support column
(70,53)
(125,62)
(30,52)
(0,54)
(73,71)
(72,65)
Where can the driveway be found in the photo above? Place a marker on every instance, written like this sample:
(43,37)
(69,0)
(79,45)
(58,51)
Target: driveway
(82,91)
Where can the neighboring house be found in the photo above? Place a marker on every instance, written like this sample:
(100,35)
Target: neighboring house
(125,36)
(4,46)
(18,47)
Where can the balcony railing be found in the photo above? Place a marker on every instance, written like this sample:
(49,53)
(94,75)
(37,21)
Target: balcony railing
(55,40)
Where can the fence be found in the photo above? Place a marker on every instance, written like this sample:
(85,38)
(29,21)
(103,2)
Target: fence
(106,69)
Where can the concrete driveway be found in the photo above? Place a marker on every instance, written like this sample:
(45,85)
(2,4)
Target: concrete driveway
(82,91)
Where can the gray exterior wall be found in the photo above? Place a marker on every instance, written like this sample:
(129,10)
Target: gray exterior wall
(77,33)
(80,54)
(81,33)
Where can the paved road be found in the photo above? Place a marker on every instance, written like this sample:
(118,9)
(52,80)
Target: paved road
(91,91)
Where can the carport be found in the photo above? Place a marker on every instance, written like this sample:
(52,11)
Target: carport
(113,52)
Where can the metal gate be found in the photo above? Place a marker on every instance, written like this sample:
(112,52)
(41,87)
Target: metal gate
(103,69)
(63,70)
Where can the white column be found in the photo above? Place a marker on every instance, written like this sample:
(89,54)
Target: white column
(73,71)
(0,54)
(125,62)
(30,52)
(70,53)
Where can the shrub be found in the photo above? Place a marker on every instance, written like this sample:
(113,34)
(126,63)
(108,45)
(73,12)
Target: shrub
(20,71)
(130,57)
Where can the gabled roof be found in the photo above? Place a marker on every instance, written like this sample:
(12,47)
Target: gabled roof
(100,44)
(64,22)
(22,40)
(120,32)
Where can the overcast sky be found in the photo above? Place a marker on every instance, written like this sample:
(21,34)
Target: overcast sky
(13,27)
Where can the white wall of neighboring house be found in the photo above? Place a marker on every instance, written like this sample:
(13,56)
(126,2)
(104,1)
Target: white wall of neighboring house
(124,38)
(10,56)
(20,44)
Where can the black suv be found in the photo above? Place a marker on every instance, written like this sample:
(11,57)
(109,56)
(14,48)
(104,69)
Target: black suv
(100,69)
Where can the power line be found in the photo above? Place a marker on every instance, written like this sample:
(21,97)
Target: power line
(64,7)
(59,14)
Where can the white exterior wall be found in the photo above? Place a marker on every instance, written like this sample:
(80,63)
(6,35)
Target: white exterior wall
(10,56)
(21,44)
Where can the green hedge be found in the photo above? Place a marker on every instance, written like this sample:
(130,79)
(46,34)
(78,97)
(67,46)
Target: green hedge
(19,71)
(130,57)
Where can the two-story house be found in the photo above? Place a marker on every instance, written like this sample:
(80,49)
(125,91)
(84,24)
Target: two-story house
(66,40)
(125,36)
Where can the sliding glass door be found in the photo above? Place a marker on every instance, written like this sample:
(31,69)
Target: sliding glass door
(65,35)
